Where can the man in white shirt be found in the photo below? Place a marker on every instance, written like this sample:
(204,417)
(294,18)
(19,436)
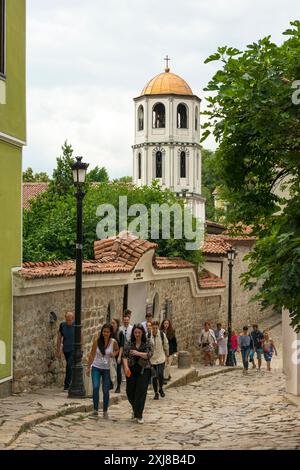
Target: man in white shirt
(126,327)
(149,318)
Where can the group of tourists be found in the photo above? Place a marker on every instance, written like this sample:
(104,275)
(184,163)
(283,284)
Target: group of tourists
(142,353)
(214,345)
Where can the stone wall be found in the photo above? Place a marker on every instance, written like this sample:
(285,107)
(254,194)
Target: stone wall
(183,307)
(207,309)
(35,364)
(35,337)
(244,312)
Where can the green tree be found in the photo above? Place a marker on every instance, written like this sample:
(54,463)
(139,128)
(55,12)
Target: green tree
(210,181)
(98,175)
(124,179)
(257,125)
(50,225)
(62,180)
(30,177)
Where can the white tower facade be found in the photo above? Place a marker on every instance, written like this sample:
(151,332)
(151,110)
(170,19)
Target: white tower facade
(167,135)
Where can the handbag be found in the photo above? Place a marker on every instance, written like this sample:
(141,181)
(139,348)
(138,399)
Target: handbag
(142,362)
(113,370)
(136,369)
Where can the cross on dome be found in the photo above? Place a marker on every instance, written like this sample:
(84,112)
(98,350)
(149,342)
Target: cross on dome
(167,59)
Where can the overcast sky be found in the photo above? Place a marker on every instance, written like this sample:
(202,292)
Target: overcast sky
(87,60)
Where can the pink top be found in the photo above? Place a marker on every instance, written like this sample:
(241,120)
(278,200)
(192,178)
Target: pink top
(234,342)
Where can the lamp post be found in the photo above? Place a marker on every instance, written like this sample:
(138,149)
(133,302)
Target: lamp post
(230,256)
(77,389)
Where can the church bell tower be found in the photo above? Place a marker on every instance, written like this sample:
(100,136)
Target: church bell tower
(167,136)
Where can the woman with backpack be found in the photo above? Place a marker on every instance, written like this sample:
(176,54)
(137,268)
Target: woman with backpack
(207,343)
(104,349)
(160,355)
(169,331)
(137,367)
(118,335)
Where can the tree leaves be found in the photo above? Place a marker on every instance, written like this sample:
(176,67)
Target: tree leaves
(257,126)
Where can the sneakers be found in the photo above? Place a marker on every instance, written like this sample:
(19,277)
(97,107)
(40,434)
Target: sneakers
(162,393)
(105,415)
(156,397)
(140,421)
(118,390)
(94,414)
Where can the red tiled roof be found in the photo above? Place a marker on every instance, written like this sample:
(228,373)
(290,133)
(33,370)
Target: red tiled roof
(171,263)
(31,191)
(113,255)
(219,244)
(215,224)
(208,280)
(215,245)
(126,248)
(48,269)
(119,255)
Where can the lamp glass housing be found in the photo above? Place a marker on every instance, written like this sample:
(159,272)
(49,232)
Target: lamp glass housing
(79,171)
(231,254)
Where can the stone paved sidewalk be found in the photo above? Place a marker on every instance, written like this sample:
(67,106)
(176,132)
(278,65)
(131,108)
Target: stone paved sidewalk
(225,411)
(20,413)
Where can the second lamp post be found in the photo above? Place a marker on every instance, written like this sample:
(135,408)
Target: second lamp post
(230,256)
(77,389)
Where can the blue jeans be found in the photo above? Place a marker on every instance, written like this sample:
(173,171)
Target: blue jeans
(233,351)
(96,379)
(245,355)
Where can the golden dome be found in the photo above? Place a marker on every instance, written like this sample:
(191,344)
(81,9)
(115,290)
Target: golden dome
(167,83)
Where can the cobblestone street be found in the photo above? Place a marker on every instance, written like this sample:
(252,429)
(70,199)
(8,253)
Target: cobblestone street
(228,411)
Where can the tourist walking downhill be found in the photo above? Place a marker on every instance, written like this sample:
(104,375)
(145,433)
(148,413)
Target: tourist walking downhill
(234,346)
(245,342)
(65,339)
(219,334)
(257,338)
(126,327)
(269,348)
(148,318)
(223,348)
(160,354)
(169,331)
(118,335)
(103,352)
(207,343)
(137,367)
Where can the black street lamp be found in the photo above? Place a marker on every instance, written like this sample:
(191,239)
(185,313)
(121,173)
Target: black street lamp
(77,389)
(230,256)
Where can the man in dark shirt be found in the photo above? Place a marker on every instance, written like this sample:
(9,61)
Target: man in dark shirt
(257,337)
(66,335)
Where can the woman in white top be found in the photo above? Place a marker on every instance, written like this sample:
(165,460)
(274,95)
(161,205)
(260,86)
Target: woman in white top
(223,348)
(104,349)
